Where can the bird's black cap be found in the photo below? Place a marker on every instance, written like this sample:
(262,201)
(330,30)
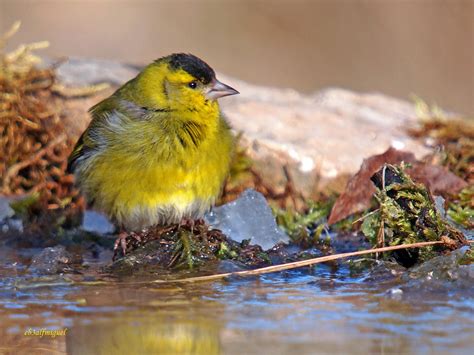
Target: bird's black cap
(193,65)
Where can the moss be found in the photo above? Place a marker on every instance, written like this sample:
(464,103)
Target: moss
(468,258)
(406,214)
(188,246)
(23,206)
(305,228)
(184,248)
(225,252)
(461,208)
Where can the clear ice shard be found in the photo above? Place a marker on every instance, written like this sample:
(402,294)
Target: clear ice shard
(248,217)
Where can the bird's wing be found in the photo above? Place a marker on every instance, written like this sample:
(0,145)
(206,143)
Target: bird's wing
(86,146)
(103,113)
(77,152)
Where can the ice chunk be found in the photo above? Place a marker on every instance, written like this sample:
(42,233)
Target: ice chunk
(248,217)
(96,222)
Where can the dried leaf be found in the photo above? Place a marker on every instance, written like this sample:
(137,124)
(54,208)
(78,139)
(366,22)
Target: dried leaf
(360,189)
(438,179)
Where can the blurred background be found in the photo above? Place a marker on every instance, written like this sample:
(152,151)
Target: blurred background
(398,47)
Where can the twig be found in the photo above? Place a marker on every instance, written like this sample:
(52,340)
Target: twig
(365,216)
(297,264)
(380,236)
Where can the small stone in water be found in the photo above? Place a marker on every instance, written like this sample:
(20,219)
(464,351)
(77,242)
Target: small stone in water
(13,224)
(5,210)
(51,260)
(440,274)
(96,222)
(248,217)
(395,292)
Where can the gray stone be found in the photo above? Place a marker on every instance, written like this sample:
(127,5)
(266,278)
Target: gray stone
(96,222)
(12,224)
(81,71)
(5,210)
(248,217)
(51,260)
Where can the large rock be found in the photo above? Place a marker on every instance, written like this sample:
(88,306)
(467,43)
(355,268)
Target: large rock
(322,138)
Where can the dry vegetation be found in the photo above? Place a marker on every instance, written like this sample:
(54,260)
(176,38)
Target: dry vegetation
(33,144)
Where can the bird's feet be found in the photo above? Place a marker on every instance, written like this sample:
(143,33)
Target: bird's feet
(191,223)
(122,242)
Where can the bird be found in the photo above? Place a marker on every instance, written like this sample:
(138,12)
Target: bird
(158,150)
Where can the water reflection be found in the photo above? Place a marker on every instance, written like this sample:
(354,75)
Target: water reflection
(325,309)
(148,334)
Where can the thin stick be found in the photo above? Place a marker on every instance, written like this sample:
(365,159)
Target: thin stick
(297,264)
(365,216)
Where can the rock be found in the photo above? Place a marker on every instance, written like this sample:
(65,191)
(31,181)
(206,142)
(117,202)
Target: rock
(322,137)
(442,268)
(12,224)
(440,274)
(325,135)
(395,293)
(82,72)
(7,222)
(248,217)
(51,260)
(5,210)
(96,222)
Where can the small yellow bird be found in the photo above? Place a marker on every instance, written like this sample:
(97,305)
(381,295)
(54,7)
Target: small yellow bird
(158,150)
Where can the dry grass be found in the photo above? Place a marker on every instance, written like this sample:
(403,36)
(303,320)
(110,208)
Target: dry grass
(33,144)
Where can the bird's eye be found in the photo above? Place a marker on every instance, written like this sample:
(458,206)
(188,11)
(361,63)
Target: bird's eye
(193,85)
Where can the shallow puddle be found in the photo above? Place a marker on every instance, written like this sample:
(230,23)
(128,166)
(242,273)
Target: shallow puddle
(324,309)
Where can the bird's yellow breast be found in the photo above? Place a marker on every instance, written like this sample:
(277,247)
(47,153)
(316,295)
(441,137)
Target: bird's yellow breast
(148,177)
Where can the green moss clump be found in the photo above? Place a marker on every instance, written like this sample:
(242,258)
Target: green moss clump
(305,228)
(23,206)
(184,248)
(225,252)
(461,210)
(406,214)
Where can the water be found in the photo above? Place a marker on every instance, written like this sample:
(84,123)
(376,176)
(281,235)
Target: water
(330,308)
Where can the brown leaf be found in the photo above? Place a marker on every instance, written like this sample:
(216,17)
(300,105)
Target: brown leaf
(360,189)
(438,179)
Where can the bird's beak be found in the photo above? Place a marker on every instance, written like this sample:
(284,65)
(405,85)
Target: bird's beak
(219,89)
